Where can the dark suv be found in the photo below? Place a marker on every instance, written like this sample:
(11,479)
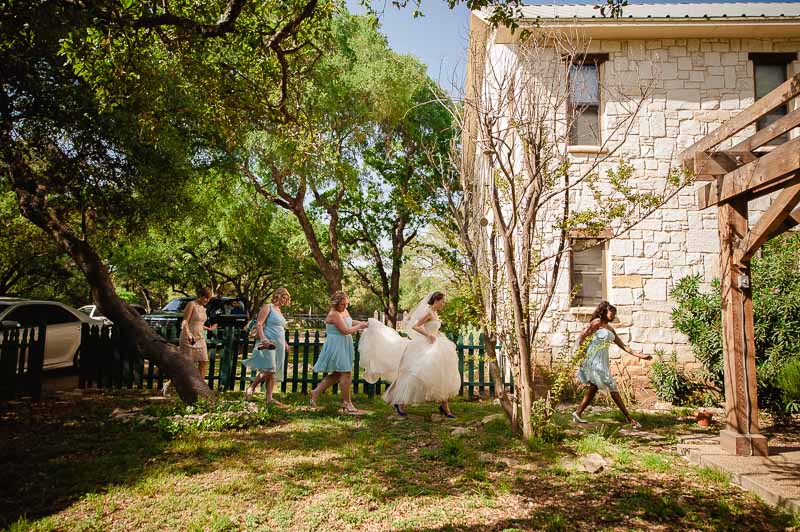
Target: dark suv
(220,310)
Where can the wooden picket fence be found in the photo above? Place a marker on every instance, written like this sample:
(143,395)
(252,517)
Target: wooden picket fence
(106,361)
(22,362)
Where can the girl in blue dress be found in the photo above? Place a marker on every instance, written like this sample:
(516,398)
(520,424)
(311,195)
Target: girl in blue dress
(336,357)
(270,350)
(595,370)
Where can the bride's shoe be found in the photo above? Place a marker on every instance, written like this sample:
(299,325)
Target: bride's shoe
(399,411)
(445,413)
(578,419)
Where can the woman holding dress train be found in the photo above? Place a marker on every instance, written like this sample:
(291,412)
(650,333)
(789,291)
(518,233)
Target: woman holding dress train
(336,357)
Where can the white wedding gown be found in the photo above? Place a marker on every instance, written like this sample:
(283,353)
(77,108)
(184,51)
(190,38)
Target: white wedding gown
(420,370)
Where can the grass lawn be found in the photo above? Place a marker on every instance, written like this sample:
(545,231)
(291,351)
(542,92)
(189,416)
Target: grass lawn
(68,467)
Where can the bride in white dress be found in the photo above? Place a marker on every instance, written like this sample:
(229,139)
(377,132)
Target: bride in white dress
(423,367)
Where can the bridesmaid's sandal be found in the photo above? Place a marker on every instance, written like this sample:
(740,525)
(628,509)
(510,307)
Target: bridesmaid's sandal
(635,424)
(350,410)
(400,412)
(313,400)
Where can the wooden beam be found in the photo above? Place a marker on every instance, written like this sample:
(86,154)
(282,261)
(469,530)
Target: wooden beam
(771,132)
(779,163)
(768,224)
(776,98)
(709,165)
(772,186)
(789,223)
(741,435)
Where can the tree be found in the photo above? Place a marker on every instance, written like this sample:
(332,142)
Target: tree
(31,265)
(394,201)
(107,112)
(513,211)
(108,108)
(232,242)
(354,157)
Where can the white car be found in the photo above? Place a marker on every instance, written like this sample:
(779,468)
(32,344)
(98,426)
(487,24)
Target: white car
(93,312)
(63,337)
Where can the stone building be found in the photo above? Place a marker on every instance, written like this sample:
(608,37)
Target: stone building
(704,63)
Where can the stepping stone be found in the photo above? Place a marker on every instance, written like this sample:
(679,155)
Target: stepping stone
(488,419)
(461,431)
(593,463)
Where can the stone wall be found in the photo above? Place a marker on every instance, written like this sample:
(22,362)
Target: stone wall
(696,85)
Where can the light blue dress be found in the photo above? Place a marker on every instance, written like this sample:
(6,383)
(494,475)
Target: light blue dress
(271,360)
(337,354)
(595,369)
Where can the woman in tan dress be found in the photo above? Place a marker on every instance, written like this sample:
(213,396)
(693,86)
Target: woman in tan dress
(193,341)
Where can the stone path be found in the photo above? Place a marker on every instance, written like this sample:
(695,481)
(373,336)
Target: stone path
(776,479)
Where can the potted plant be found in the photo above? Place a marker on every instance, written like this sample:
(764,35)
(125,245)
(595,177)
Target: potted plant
(703,418)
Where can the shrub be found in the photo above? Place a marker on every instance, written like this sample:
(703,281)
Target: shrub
(776,312)
(789,382)
(209,416)
(670,382)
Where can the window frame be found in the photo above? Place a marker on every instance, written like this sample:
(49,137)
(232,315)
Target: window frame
(578,61)
(602,241)
(772,59)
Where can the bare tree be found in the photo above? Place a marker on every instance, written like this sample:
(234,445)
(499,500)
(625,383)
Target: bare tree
(520,193)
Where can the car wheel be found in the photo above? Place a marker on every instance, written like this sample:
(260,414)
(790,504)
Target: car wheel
(76,359)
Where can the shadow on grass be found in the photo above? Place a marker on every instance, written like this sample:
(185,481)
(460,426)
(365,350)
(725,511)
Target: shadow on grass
(55,452)
(584,503)
(56,459)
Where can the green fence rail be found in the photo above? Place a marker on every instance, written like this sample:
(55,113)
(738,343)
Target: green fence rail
(21,361)
(107,361)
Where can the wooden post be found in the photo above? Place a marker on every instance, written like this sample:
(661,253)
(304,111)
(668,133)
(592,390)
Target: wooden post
(741,436)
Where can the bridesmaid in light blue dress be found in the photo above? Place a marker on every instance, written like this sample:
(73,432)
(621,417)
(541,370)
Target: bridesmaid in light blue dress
(269,361)
(595,370)
(336,357)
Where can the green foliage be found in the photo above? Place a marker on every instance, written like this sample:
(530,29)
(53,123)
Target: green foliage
(31,264)
(545,427)
(776,311)
(460,313)
(789,382)
(213,417)
(669,380)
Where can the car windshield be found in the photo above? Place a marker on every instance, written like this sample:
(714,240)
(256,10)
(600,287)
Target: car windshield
(4,306)
(176,305)
(86,310)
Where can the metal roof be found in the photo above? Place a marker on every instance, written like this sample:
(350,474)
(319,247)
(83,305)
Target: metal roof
(717,10)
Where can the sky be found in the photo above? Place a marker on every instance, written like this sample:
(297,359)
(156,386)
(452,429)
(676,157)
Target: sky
(439,39)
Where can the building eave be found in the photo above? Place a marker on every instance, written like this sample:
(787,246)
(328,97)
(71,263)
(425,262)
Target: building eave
(637,29)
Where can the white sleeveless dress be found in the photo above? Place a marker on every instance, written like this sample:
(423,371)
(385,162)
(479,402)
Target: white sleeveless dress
(420,370)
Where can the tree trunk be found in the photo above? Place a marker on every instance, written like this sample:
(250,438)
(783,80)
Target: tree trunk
(331,269)
(183,372)
(489,343)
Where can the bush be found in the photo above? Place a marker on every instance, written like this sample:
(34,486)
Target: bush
(789,383)
(205,416)
(776,312)
(670,382)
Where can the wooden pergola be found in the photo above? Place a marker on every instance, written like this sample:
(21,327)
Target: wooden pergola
(737,175)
